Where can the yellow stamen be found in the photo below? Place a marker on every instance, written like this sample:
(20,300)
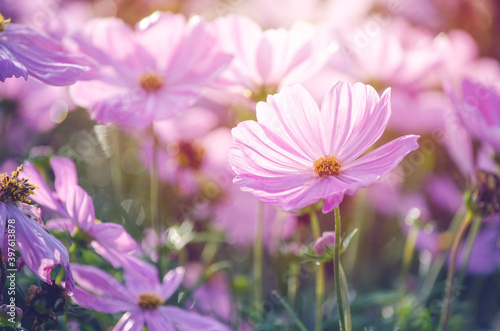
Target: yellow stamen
(13,189)
(151,81)
(3,22)
(327,166)
(260,93)
(149,301)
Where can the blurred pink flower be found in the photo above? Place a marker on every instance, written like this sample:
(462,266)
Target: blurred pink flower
(477,107)
(76,213)
(297,155)
(25,52)
(190,147)
(214,296)
(22,223)
(237,216)
(141,297)
(266,60)
(38,106)
(152,73)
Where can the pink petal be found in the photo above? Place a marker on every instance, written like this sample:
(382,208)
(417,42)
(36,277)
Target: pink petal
(43,195)
(3,222)
(100,304)
(294,117)
(61,225)
(156,322)
(186,320)
(131,321)
(65,175)
(166,24)
(80,208)
(354,118)
(40,250)
(255,142)
(171,282)
(370,167)
(141,277)
(114,236)
(102,284)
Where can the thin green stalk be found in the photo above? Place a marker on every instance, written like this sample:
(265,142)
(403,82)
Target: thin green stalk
(293,281)
(290,310)
(340,305)
(471,238)
(320,276)
(257,261)
(115,160)
(437,264)
(153,185)
(345,297)
(408,255)
(448,297)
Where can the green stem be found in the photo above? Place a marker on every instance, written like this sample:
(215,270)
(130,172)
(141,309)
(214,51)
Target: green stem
(153,185)
(471,238)
(293,281)
(340,305)
(115,159)
(345,297)
(448,297)
(408,255)
(320,275)
(257,261)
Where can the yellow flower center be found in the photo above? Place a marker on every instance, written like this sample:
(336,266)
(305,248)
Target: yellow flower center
(149,301)
(151,81)
(327,166)
(260,93)
(3,22)
(14,189)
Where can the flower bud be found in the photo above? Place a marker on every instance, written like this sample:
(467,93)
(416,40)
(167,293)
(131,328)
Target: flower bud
(327,239)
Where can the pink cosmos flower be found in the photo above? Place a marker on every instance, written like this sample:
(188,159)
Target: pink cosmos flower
(298,154)
(267,60)
(40,251)
(151,73)
(141,297)
(477,107)
(25,52)
(76,213)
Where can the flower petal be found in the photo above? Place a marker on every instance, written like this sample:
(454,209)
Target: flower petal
(171,282)
(131,321)
(65,175)
(186,320)
(101,304)
(100,283)
(40,250)
(3,222)
(80,208)
(10,66)
(370,167)
(42,56)
(61,225)
(43,195)
(294,117)
(141,276)
(156,322)
(354,118)
(114,236)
